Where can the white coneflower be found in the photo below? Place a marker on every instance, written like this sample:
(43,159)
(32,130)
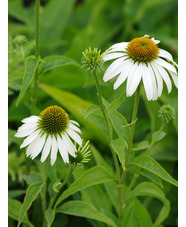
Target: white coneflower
(49,132)
(141,59)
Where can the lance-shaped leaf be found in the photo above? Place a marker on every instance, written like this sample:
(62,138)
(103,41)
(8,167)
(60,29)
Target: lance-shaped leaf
(148,163)
(93,176)
(83,209)
(30,69)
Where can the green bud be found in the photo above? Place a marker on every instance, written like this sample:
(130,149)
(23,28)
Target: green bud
(20,40)
(81,156)
(92,59)
(167,113)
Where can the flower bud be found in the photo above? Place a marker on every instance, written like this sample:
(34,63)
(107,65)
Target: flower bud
(167,113)
(20,40)
(81,156)
(92,59)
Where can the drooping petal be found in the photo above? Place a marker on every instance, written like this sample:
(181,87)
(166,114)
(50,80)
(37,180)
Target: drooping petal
(30,138)
(165,64)
(112,56)
(165,54)
(38,146)
(69,145)
(134,78)
(124,74)
(165,76)
(147,82)
(153,82)
(54,150)
(175,78)
(74,122)
(31,146)
(46,149)
(158,79)
(74,136)
(30,119)
(114,69)
(62,149)
(75,128)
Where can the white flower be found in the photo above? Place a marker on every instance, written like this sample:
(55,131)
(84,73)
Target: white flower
(49,132)
(141,59)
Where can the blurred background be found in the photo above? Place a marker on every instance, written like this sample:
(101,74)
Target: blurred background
(68,27)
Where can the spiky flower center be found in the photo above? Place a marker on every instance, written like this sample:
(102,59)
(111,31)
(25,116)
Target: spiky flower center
(142,50)
(53,120)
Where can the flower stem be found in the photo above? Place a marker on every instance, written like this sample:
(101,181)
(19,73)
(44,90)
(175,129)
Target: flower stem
(37,50)
(134,114)
(53,200)
(107,125)
(109,134)
(44,191)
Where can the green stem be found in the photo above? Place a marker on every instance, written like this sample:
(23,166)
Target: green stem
(53,200)
(37,50)
(134,114)
(155,138)
(44,192)
(109,133)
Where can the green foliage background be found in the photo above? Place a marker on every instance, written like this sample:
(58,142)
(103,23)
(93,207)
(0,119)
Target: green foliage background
(68,27)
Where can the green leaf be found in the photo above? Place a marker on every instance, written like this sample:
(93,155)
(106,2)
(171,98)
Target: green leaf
(83,209)
(119,123)
(52,62)
(93,176)
(151,189)
(92,109)
(119,146)
(116,103)
(59,11)
(11,136)
(31,194)
(14,207)
(50,215)
(30,69)
(160,137)
(154,178)
(33,178)
(148,163)
(15,193)
(141,146)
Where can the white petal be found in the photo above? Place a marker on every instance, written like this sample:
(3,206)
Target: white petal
(74,122)
(118,47)
(69,145)
(159,79)
(175,78)
(30,119)
(155,41)
(154,84)
(30,138)
(114,69)
(147,82)
(62,149)
(27,126)
(165,64)
(30,148)
(75,128)
(165,77)
(165,54)
(112,56)
(54,150)
(25,132)
(124,74)
(38,146)
(134,78)
(74,136)
(46,149)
